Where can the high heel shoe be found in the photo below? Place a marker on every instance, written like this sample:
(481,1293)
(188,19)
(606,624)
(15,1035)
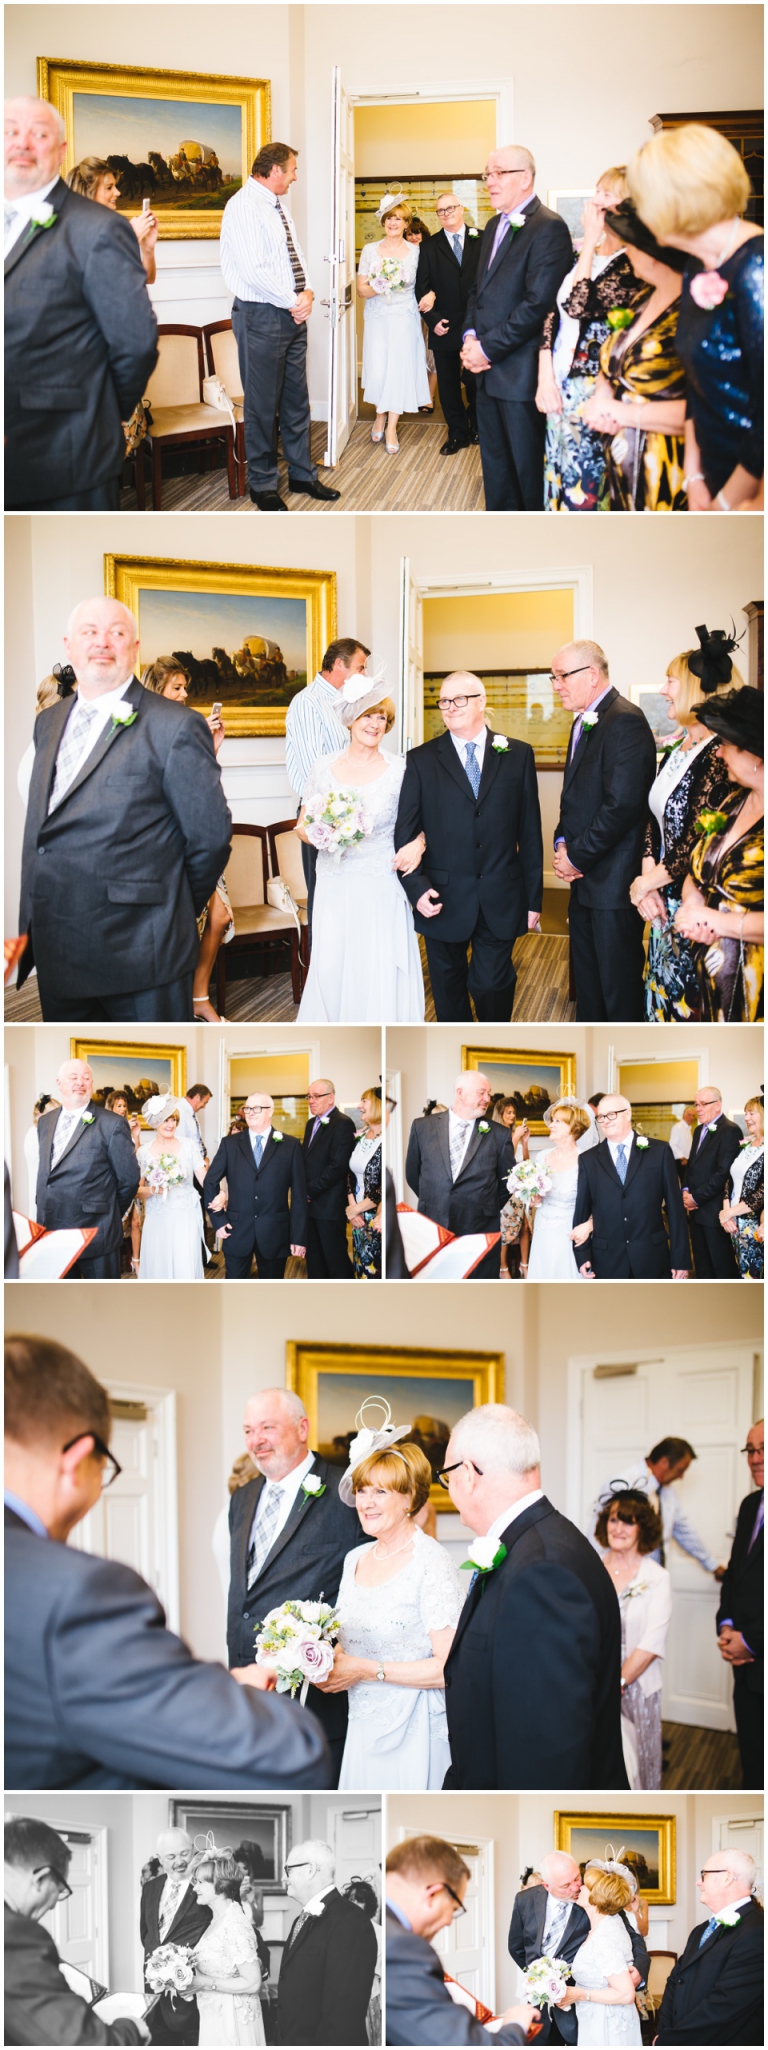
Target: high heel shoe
(377,437)
(204,1012)
(392,448)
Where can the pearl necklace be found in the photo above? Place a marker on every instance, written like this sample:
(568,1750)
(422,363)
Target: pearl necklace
(398,1548)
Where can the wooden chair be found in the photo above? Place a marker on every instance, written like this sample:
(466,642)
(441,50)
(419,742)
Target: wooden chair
(223,361)
(285,861)
(662,1962)
(179,415)
(258,925)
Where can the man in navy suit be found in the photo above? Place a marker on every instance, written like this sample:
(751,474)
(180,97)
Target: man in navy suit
(628,1186)
(714,1994)
(740,1615)
(525,255)
(265,1208)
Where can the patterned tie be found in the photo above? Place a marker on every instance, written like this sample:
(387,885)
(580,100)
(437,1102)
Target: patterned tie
(472,765)
(70,750)
(10,214)
(298,1924)
(459,1140)
(557,1927)
(258,1148)
(264,1534)
(171,1897)
(712,1925)
(299,278)
(621,1164)
(63,1133)
(456,240)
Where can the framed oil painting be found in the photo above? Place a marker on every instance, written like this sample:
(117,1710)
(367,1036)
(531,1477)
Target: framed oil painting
(534,1080)
(521,703)
(249,638)
(137,1071)
(656,710)
(569,203)
(427,1390)
(647,1842)
(182,139)
(264,1824)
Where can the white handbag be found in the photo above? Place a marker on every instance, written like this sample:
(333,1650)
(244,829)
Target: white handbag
(279,896)
(214,394)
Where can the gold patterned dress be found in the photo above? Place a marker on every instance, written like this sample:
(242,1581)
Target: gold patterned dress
(731,971)
(644,470)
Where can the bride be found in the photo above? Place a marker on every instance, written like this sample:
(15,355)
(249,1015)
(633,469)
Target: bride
(365,965)
(172,1238)
(604,1994)
(228,1972)
(572,1130)
(395,376)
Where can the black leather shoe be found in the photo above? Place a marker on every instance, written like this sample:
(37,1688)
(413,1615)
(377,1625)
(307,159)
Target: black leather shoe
(315,490)
(472,435)
(269,501)
(451,446)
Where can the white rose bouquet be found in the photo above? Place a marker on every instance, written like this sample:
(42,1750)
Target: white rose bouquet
(546,1980)
(164,1173)
(296,1641)
(530,1178)
(387,274)
(170,1969)
(341,823)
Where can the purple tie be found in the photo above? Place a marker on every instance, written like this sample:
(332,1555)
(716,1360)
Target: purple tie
(499,237)
(576,734)
(758,1525)
(315,1130)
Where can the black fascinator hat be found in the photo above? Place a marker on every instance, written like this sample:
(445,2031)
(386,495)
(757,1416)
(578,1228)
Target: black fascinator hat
(626,223)
(66,680)
(713,664)
(738,716)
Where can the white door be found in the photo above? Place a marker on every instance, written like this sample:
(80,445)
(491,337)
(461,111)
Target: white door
(79,1926)
(706,1396)
(341,311)
(411,659)
(741,1832)
(356,1837)
(135,1519)
(466,1948)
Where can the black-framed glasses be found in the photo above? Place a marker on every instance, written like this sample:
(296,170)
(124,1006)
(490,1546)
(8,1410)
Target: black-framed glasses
(112,1465)
(301,1865)
(442,1482)
(65,1890)
(753,1451)
(570,672)
(459,1908)
(517,171)
(606,1117)
(254,1110)
(457,704)
(442,210)
(714,1871)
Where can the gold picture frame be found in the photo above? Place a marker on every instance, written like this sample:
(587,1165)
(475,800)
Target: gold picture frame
(523,1072)
(123,1065)
(254,698)
(653,1838)
(64,82)
(406,1378)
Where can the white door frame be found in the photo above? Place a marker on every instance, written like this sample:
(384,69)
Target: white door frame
(258,1053)
(575,577)
(394,1157)
(99,1837)
(487,1902)
(499,89)
(646,1060)
(578,1364)
(160,1404)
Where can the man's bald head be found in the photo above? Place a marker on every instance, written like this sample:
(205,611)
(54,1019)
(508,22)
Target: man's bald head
(276,1431)
(35,145)
(510,175)
(175,1851)
(102,643)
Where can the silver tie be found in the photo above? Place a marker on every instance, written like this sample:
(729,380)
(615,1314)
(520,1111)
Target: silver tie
(264,1534)
(460,1131)
(68,758)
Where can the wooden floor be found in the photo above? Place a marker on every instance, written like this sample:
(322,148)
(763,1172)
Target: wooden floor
(419,479)
(699,1759)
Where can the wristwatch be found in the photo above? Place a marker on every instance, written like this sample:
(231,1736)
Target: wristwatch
(381,1675)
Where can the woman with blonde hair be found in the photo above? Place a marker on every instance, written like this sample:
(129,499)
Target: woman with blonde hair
(691,187)
(592,301)
(395,377)
(742,1212)
(552,1256)
(166,677)
(604,1993)
(365,1181)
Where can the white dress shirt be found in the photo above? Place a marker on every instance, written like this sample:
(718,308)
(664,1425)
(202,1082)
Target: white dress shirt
(254,247)
(289,1488)
(24,208)
(513,1510)
(680,1140)
(312,728)
(102,707)
(478,743)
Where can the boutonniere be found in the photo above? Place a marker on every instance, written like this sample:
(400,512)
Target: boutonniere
(619,317)
(484,1555)
(708,289)
(278,1138)
(324,1120)
(313,1485)
(483,1127)
(640,1143)
(87,1117)
(317,1908)
(124,715)
(43,215)
(728,1918)
(711,822)
(588,720)
(473,233)
(500,743)
(516,221)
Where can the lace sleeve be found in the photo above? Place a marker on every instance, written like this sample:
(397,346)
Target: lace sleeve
(441,1595)
(241,1942)
(579,298)
(547,332)
(367,254)
(752,1187)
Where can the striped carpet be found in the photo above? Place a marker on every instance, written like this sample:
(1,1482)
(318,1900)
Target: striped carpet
(419,479)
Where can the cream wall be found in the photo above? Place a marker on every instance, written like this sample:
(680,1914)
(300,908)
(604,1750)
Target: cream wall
(424,141)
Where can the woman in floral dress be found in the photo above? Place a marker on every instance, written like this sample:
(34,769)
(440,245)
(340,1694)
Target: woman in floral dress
(742,1212)
(722,908)
(593,302)
(639,398)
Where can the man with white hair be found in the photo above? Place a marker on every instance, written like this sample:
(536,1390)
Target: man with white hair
(547,1921)
(533,1677)
(628,1186)
(80,333)
(171,1913)
(474,795)
(714,1994)
(457,1164)
(327,1966)
(127,833)
(88,1172)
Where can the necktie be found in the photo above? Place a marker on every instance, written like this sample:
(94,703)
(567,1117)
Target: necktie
(472,765)
(501,231)
(557,1927)
(298,1924)
(171,1897)
(621,1164)
(709,1931)
(456,240)
(576,734)
(299,278)
(314,1131)
(63,1134)
(264,1534)
(10,214)
(758,1524)
(70,750)
(258,1148)
(460,1130)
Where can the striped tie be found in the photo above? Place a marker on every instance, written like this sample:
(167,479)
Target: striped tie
(299,278)
(70,750)
(264,1534)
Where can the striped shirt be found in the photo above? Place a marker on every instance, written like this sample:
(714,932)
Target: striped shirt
(312,728)
(255,259)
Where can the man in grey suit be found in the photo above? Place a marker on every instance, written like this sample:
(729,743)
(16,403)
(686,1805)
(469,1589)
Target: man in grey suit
(426,1881)
(88,1172)
(98,1692)
(547,1920)
(127,834)
(457,1164)
(80,333)
(40,2006)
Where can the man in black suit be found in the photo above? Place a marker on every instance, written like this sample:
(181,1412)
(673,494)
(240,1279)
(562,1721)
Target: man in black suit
(457,1164)
(547,1920)
(88,1172)
(290,1534)
(740,1615)
(329,1141)
(40,2006)
(525,254)
(265,1209)
(599,835)
(80,333)
(127,833)
(448,267)
(474,794)
(171,1913)
(327,1966)
(714,1994)
(714,1147)
(426,1881)
(98,1692)
(626,1185)
(538,1582)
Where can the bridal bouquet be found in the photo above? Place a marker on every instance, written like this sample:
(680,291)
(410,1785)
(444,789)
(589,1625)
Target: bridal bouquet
(297,1641)
(390,270)
(342,823)
(164,1173)
(170,1969)
(546,1980)
(530,1178)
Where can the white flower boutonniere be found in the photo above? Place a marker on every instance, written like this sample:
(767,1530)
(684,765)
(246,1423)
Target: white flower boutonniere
(517,220)
(312,1485)
(588,720)
(500,743)
(316,1908)
(87,1117)
(728,1918)
(278,1138)
(43,215)
(483,1127)
(124,715)
(473,233)
(324,1120)
(641,1144)
(484,1555)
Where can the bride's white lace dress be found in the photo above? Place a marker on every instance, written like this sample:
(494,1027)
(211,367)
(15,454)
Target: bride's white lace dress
(172,1240)
(552,1256)
(607,1950)
(365,965)
(398,1736)
(224,1948)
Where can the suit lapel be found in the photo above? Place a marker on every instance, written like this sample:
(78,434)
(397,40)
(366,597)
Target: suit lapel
(604,1160)
(247,1526)
(474,1143)
(586,740)
(634,1162)
(46,1147)
(443,1123)
(295,1943)
(511,237)
(169,1936)
(78,1132)
(52,734)
(490,769)
(244,1141)
(447,756)
(32,234)
(109,734)
(266,1157)
(299,1510)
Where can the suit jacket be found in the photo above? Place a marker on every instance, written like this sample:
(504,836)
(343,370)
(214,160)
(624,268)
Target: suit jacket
(100,1694)
(451,283)
(113,882)
(629,1237)
(474,1201)
(419,2006)
(267,1205)
(526,1942)
(709,1166)
(512,296)
(326,1160)
(483,853)
(396,1264)
(39,2006)
(715,1995)
(93,1182)
(603,805)
(559,1722)
(189,1922)
(741,1592)
(326,1975)
(80,344)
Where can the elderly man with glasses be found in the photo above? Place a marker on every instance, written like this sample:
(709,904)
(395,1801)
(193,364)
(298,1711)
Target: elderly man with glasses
(628,1189)
(714,1147)
(447,270)
(328,1963)
(740,1615)
(40,2006)
(265,1209)
(714,1993)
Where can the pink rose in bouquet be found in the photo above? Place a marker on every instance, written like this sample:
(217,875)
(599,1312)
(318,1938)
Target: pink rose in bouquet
(314,1658)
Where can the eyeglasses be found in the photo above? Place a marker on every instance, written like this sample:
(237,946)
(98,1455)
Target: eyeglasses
(517,171)
(457,704)
(753,1451)
(65,1891)
(606,1117)
(569,672)
(254,1110)
(452,209)
(111,1464)
(713,1871)
(442,1482)
(459,1908)
(301,1865)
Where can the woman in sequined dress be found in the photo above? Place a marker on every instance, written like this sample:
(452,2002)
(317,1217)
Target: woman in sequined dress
(722,907)
(593,301)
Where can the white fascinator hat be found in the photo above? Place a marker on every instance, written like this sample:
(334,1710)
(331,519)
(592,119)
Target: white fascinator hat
(586,1139)
(361,693)
(612,1862)
(389,202)
(370,1438)
(157,1108)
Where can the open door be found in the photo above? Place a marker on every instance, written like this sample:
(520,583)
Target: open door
(342,363)
(411,659)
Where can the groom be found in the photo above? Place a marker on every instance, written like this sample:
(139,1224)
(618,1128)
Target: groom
(547,1920)
(87,1173)
(172,1913)
(626,1185)
(457,1164)
(474,795)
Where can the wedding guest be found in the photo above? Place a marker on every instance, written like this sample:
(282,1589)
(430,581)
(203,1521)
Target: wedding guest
(593,301)
(395,377)
(714,1148)
(263,265)
(629,1529)
(681,1135)
(365,1190)
(525,254)
(227,1967)
(171,1913)
(329,1139)
(447,270)
(667,1462)
(548,1920)
(98,1692)
(691,782)
(417,233)
(68,273)
(457,1165)
(599,834)
(714,1992)
(723,895)
(740,1615)
(538,1582)
(127,830)
(601,1967)
(313,728)
(87,1172)
(94,178)
(639,400)
(172,1241)
(742,1212)
(692,187)
(192,1105)
(215,925)
(426,1880)
(639,1233)
(515,1228)
(328,1963)
(39,2004)
(32,1148)
(264,1208)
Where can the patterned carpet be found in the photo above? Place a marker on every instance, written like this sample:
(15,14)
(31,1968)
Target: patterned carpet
(419,479)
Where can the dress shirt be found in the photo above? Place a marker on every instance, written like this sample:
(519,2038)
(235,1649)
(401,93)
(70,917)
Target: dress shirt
(455,235)
(614,1144)
(24,208)
(496,1530)
(263,1137)
(65,1125)
(478,743)
(28,1516)
(399,1914)
(453,1123)
(289,1486)
(637,1474)
(680,1140)
(102,708)
(312,728)
(254,254)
